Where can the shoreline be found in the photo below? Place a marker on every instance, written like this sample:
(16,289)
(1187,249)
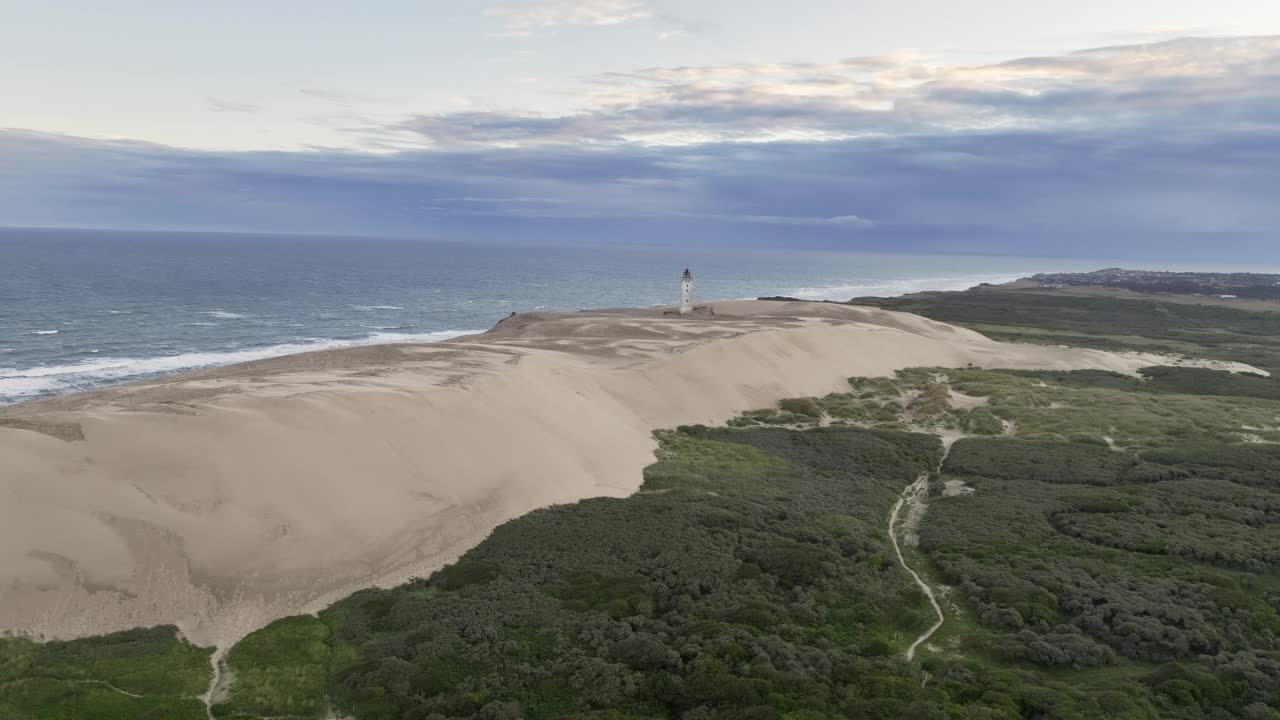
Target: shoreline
(80,370)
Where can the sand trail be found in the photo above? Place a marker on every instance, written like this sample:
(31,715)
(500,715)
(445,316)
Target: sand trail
(223,499)
(911,497)
(915,498)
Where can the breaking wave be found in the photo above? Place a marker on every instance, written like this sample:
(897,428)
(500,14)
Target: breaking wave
(18,384)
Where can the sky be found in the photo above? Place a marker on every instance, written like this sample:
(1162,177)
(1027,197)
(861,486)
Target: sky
(989,125)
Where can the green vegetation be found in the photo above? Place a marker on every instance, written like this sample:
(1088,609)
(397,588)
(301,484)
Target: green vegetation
(123,676)
(282,670)
(1098,564)
(1132,412)
(1125,524)
(1100,408)
(1208,328)
(750,576)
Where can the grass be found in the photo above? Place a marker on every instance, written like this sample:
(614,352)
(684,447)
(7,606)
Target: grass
(49,699)
(1204,327)
(282,670)
(686,463)
(961,635)
(1246,304)
(145,673)
(1087,406)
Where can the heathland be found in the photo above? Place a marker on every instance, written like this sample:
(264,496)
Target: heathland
(1098,527)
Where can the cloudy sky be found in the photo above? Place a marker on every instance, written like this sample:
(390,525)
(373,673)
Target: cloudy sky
(989,125)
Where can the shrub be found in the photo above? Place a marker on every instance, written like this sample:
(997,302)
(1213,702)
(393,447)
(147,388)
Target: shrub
(1041,461)
(807,407)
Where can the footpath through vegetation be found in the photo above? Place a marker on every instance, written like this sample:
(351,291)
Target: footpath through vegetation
(913,491)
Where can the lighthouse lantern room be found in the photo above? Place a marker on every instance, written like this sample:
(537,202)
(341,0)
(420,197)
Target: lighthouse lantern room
(686,293)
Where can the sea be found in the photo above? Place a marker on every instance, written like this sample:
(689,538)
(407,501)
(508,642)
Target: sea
(84,309)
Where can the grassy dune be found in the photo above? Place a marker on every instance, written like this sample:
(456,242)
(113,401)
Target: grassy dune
(1204,327)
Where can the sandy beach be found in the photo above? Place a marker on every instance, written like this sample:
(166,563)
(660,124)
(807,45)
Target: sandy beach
(223,499)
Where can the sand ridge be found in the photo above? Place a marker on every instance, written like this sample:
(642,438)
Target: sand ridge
(223,499)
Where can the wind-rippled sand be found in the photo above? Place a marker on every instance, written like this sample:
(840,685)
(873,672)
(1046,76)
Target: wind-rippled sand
(223,499)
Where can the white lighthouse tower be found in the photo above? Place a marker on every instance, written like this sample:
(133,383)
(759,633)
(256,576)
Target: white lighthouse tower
(686,293)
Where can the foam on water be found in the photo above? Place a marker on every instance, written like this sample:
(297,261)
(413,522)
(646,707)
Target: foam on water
(43,332)
(21,384)
(222,314)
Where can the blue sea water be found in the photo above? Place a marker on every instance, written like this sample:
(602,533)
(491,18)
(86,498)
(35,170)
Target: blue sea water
(81,309)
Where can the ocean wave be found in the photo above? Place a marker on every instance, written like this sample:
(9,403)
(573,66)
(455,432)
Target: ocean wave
(380,338)
(25,383)
(377,307)
(120,312)
(894,287)
(43,332)
(221,314)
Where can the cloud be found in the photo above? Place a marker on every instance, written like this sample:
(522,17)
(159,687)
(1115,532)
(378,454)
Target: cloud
(536,15)
(219,105)
(1111,189)
(839,221)
(1124,149)
(1188,81)
(329,95)
(503,200)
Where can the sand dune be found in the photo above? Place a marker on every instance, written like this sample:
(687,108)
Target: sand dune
(223,499)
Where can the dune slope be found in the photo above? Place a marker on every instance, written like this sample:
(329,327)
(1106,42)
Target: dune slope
(223,499)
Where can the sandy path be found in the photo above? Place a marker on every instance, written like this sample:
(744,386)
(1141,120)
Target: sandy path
(109,686)
(215,678)
(910,493)
(915,495)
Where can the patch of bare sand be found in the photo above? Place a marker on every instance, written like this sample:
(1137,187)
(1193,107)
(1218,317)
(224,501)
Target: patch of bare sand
(223,499)
(960,401)
(1149,359)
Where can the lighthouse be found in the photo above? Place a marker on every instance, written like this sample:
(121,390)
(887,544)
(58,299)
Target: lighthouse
(686,293)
